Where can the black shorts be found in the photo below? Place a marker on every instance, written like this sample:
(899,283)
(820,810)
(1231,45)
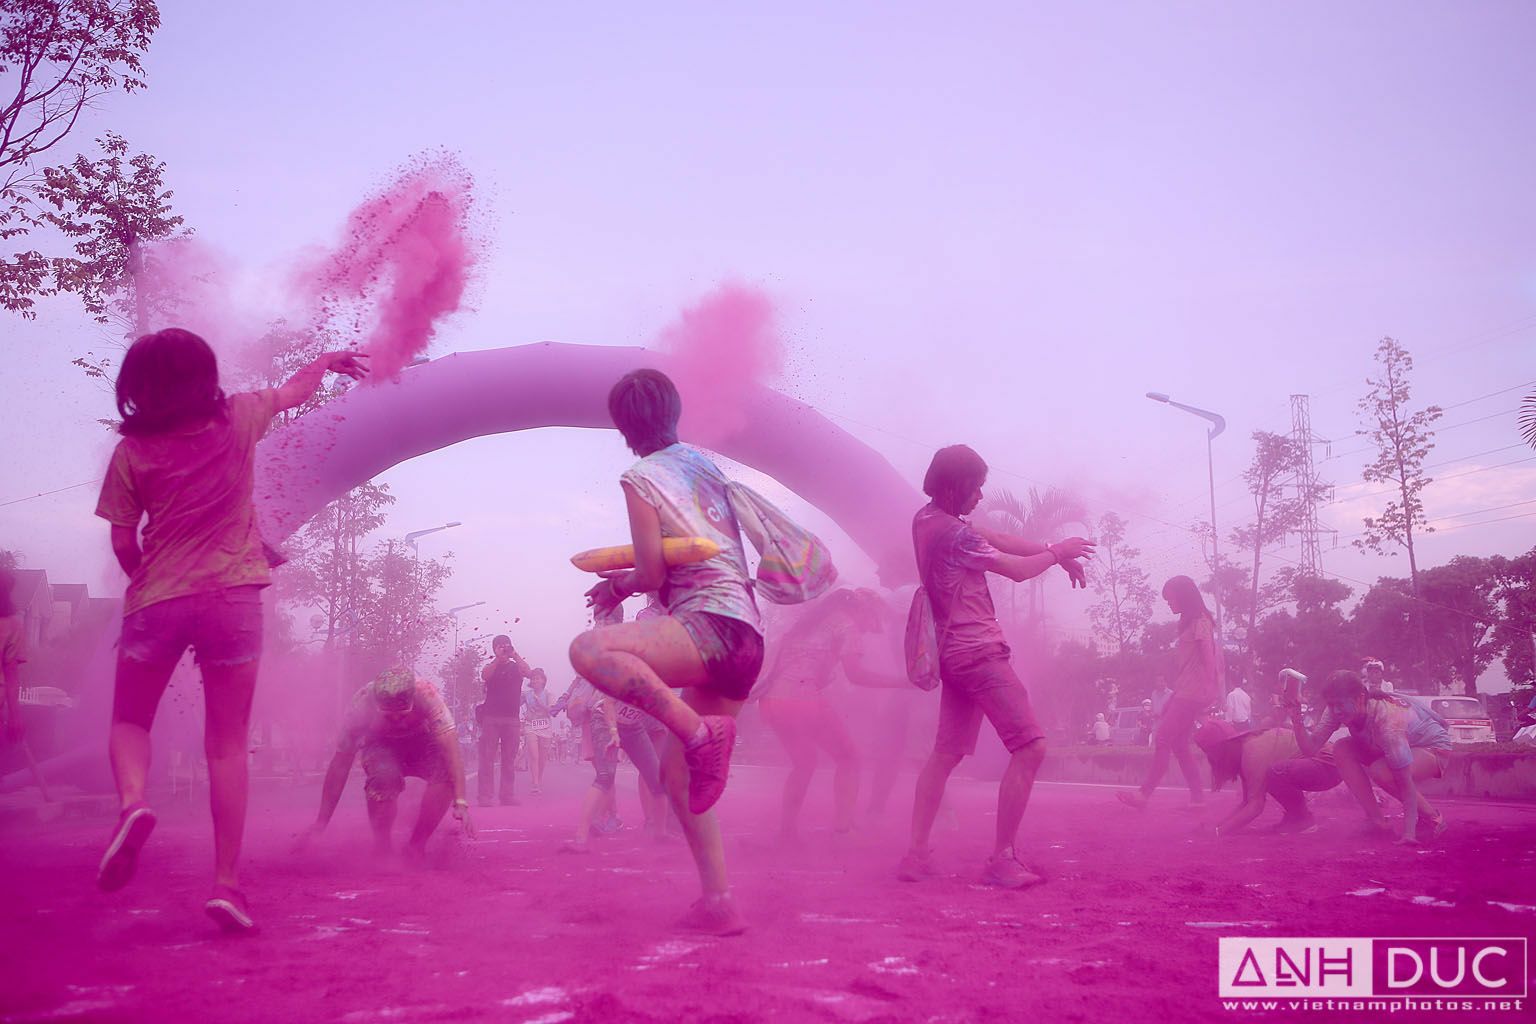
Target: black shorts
(731,649)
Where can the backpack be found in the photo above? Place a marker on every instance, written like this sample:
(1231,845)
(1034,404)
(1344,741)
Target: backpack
(794,565)
(922,642)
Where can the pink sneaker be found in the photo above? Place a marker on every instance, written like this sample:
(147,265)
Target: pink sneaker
(227,908)
(715,914)
(709,762)
(117,865)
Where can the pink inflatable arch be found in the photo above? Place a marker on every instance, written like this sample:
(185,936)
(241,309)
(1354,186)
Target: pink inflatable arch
(320,456)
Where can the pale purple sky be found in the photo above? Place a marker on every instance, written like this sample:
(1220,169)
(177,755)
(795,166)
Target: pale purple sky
(986,224)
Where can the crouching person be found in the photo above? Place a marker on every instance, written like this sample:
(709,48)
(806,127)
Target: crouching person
(401,727)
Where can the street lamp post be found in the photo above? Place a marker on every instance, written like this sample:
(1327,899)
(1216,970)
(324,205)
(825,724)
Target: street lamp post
(453,613)
(1218,424)
(411,539)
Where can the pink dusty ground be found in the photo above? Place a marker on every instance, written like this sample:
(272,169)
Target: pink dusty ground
(507,929)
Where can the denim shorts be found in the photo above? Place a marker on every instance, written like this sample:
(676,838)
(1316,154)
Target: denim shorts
(387,764)
(984,686)
(731,649)
(223,627)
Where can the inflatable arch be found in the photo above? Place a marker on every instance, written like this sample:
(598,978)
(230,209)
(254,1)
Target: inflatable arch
(320,456)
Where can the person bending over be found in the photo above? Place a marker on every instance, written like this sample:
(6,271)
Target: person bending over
(1392,741)
(401,727)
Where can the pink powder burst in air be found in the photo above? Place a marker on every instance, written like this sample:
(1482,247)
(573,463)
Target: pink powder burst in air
(403,263)
(721,347)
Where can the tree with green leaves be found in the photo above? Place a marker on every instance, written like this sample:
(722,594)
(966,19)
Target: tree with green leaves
(1514,587)
(1402,439)
(1124,591)
(1278,508)
(1461,613)
(327,567)
(62,56)
(398,615)
(1037,516)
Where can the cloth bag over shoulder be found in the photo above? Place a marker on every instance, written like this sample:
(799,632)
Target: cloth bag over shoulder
(922,642)
(793,564)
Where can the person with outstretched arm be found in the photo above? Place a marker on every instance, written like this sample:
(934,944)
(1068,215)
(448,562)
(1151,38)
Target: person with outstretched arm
(977,678)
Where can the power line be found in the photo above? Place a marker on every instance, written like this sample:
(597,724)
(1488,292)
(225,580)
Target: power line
(44,494)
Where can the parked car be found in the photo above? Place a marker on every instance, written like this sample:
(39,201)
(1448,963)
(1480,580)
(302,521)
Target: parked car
(1465,717)
(1124,730)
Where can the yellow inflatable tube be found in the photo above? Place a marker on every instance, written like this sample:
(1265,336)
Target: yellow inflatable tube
(676,551)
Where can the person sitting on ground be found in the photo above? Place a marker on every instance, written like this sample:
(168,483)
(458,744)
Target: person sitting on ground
(1392,741)
(1100,729)
(975,668)
(401,727)
(1196,687)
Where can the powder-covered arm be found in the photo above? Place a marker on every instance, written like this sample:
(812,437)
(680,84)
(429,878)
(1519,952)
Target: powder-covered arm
(297,389)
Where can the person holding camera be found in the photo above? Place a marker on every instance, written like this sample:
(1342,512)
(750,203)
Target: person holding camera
(500,721)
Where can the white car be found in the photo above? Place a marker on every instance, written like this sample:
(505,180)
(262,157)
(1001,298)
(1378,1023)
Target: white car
(1465,717)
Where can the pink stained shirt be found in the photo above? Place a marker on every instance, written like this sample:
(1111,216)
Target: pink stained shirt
(194,484)
(952,559)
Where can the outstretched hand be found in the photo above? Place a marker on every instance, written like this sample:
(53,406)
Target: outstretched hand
(602,597)
(1073,547)
(347,363)
(1073,568)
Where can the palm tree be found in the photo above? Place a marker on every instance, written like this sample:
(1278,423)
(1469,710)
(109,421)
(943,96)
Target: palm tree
(1528,419)
(1037,516)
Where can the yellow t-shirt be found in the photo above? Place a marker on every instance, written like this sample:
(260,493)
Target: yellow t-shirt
(194,484)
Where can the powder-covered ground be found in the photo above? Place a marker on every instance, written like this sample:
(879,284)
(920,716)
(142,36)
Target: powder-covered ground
(507,929)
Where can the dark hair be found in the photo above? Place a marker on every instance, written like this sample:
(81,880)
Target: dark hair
(1184,595)
(1343,685)
(7,584)
(168,379)
(645,406)
(1226,764)
(499,639)
(953,474)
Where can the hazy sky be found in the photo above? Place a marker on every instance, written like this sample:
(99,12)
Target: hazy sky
(989,223)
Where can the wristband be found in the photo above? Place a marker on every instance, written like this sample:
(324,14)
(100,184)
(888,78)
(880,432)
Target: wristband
(461,802)
(1055,558)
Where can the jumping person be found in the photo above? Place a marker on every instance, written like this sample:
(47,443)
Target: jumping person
(402,728)
(953,559)
(710,643)
(796,707)
(185,464)
(1392,741)
(500,721)
(1196,686)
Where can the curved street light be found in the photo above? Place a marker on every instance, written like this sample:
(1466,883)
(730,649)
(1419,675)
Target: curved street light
(1218,424)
